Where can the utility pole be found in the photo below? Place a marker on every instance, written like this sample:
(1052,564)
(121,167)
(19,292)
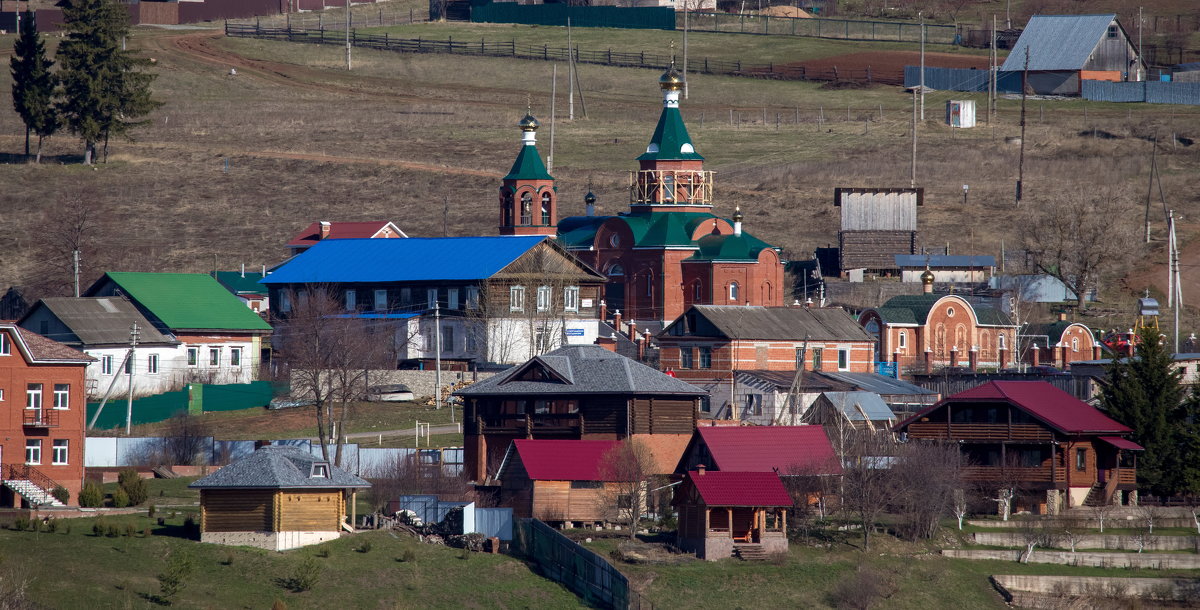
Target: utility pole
(685,41)
(1139,74)
(437,353)
(1008,15)
(134,334)
(570,74)
(913,174)
(992,78)
(919,16)
(1021,158)
(553,94)
(347,34)
(1150,183)
(75,270)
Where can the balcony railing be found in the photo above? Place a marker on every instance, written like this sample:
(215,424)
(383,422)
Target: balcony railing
(670,187)
(980,432)
(25,472)
(39,418)
(533,423)
(1032,474)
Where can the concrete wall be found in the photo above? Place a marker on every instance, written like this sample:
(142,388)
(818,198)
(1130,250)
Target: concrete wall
(1101,586)
(272,541)
(1153,561)
(423,383)
(1116,519)
(1105,541)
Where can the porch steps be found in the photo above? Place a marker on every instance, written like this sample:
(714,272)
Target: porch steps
(1095,496)
(749,552)
(32,493)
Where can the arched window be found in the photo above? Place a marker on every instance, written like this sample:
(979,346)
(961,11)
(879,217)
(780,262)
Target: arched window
(546,209)
(733,291)
(615,270)
(939,341)
(903,340)
(1000,341)
(668,188)
(766,293)
(698,292)
(649,284)
(506,204)
(1074,344)
(526,208)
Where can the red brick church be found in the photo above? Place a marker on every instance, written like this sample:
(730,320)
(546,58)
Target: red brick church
(669,251)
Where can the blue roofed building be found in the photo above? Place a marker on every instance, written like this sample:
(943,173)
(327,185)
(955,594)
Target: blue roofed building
(1063,50)
(498,299)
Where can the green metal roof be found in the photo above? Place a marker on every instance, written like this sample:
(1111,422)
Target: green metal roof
(528,165)
(239,283)
(187,300)
(914,309)
(670,139)
(744,247)
(664,229)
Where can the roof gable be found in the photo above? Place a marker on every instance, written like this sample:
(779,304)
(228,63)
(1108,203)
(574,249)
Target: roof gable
(1058,42)
(98,320)
(914,309)
(782,449)
(345,230)
(564,460)
(182,300)
(278,467)
(1042,400)
(728,488)
(860,406)
(37,349)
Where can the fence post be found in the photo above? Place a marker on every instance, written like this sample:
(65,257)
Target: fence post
(545,52)
(513,47)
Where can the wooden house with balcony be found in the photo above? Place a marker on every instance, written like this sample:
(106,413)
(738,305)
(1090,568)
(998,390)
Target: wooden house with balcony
(572,393)
(1055,450)
(560,481)
(669,250)
(732,514)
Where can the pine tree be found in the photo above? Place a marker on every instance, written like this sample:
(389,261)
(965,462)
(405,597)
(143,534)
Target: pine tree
(1145,394)
(33,84)
(104,90)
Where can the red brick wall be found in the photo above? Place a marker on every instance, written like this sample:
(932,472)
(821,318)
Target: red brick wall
(951,323)
(762,355)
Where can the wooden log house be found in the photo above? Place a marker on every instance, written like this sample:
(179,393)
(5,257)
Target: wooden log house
(1038,439)
(725,513)
(277,498)
(559,481)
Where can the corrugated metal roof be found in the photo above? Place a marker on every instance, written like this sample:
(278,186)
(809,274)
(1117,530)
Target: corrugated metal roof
(528,165)
(241,283)
(185,300)
(564,460)
(782,449)
(854,404)
(915,308)
(1122,443)
(103,320)
(414,259)
(965,261)
(583,369)
(879,384)
(276,467)
(670,139)
(1053,406)
(780,323)
(1058,42)
(727,488)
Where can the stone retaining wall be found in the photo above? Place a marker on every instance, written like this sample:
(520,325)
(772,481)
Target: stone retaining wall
(424,383)
(1109,521)
(1151,561)
(1099,541)
(1176,589)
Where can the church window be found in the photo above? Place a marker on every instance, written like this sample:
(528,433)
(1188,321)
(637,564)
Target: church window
(507,206)
(903,340)
(649,285)
(1074,344)
(616,270)
(546,209)
(668,185)
(1000,341)
(526,208)
(698,292)
(614,240)
(733,291)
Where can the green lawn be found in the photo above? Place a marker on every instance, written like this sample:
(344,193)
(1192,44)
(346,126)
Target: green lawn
(120,572)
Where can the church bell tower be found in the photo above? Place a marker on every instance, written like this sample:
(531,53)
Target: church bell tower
(528,197)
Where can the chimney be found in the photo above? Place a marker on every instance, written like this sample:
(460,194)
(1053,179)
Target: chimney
(1061,361)
(243,270)
(1062,316)
(896,359)
(1003,357)
(324,229)
(954,356)
(973,358)
(633,330)
(603,310)
(1096,352)
(1034,355)
(700,469)
(259,444)
(928,361)
(617,320)
(737,221)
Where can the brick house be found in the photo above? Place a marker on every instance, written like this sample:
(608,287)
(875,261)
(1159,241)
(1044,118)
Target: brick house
(709,344)
(927,331)
(323,229)
(44,407)
(1058,343)
(669,251)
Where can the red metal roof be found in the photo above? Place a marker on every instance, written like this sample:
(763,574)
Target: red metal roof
(1053,406)
(564,460)
(338,230)
(1122,443)
(730,488)
(783,449)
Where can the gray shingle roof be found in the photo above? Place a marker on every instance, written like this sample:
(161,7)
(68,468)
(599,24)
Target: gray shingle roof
(938,261)
(915,308)
(103,320)
(780,323)
(1058,42)
(277,467)
(583,369)
(874,382)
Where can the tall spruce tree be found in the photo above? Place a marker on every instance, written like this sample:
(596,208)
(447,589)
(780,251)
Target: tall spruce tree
(105,91)
(33,84)
(1145,394)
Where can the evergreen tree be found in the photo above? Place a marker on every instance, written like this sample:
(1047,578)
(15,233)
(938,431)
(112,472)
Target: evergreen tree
(104,90)
(33,84)
(1145,394)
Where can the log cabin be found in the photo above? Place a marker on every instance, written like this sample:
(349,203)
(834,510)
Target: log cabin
(579,392)
(785,450)
(276,498)
(725,513)
(1038,439)
(559,481)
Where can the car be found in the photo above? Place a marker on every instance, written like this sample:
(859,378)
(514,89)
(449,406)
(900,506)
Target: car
(287,402)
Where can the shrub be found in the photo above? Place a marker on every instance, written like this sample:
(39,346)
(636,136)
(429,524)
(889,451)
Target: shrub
(149,510)
(306,575)
(408,555)
(162,520)
(112,531)
(228,561)
(61,494)
(146,533)
(278,605)
(130,530)
(134,486)
(322,553)
(51,525)
(98,527)
(173,579)
(67,527)
(92,495)
(365,547)
(120,499)
(189,525)
(21,524)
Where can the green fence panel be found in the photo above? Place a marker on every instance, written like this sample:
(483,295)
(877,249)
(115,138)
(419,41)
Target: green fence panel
(146,410)
(201,398)
(654,18)
(237,396)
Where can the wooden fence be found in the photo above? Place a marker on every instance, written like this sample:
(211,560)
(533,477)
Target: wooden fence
(585,573)
(816,27)
(606,57)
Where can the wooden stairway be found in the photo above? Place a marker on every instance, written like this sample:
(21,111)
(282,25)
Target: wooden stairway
(1095,496)
(749,552)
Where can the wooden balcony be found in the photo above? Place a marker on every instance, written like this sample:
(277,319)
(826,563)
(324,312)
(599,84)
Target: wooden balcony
(980,432)
(39,418)
(1030,475)
(530,424)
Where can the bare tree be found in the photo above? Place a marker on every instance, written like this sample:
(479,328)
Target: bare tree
(867,487)
(629,468)
(76,222)
(1034,533)
(1101,512)
(960,506)
(926,476)
(1079,237)
(183,440)
(408,475)
(1149,515)
(1193,506)
(328,354)
(1073,531)
(1008,482)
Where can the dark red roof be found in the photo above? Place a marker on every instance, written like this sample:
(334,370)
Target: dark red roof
(1042,400)
(730,488)
(564,460)
(1122,443)
(338,230)
(783,449)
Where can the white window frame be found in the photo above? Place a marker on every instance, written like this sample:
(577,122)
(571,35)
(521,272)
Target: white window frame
(380,302)
(351,299)
(235,356)
(33,451)
(451,298)
(1075,344)
(545,298)
(516,298)
(193,356)
(60,452)
(472,297)
(733,291)
(320,470)
(5,345)
(62,396)
(1,394)
(903,340)
(33,396)
(214,357)
(844,356)
(571,298)
(106,365)
(152,364)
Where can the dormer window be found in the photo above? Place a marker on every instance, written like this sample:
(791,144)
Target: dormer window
(320,470)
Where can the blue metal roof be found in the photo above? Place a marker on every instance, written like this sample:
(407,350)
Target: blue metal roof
(912,261)
(415,259)
(1058,42)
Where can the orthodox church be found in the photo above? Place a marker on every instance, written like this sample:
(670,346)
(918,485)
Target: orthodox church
(669,251)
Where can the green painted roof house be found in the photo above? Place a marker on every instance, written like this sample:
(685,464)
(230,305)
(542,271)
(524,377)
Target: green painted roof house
(181,301)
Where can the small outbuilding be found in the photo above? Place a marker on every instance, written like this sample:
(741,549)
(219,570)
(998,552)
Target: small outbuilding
(277,498)
(738,514)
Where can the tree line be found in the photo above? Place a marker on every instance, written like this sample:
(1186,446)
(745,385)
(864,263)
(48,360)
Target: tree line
(100,89)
